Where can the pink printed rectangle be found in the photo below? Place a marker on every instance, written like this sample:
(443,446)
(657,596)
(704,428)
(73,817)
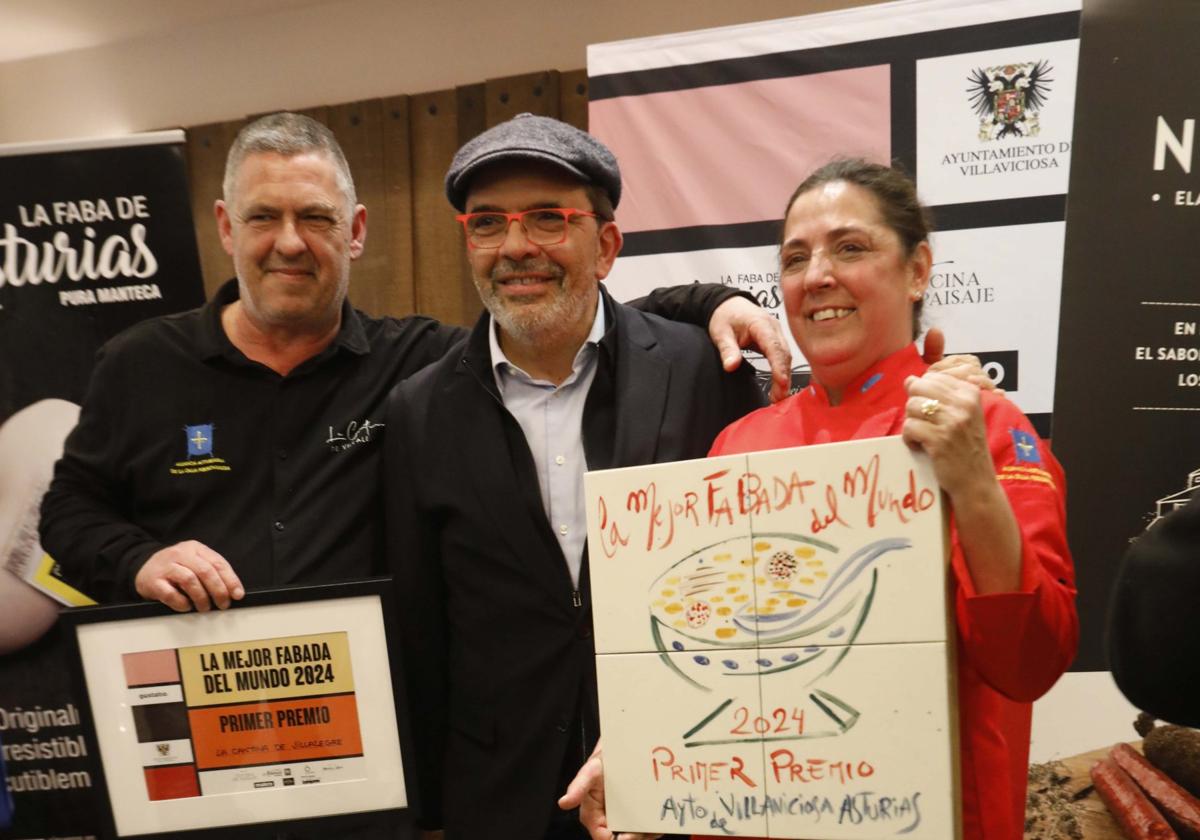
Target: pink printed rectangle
(151,667)
(727,154)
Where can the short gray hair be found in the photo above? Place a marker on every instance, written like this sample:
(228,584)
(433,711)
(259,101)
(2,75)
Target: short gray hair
(287,134)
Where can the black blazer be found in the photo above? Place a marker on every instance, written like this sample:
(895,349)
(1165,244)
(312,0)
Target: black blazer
(497,644)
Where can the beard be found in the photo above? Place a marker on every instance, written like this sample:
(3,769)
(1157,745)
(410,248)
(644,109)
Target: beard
(534,320)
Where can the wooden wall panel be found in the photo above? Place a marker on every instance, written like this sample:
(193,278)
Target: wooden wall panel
(438,259)
(472,121)
(573,98)
(472,111)
(320,113)
(358,127)
(207,146)
(536,93)
(398,296)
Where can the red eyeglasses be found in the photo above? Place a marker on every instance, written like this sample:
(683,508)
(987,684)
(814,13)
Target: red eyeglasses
(542,225)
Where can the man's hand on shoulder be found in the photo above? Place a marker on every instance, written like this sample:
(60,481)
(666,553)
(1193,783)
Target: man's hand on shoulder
(738,323)
(186,574)
(965,367)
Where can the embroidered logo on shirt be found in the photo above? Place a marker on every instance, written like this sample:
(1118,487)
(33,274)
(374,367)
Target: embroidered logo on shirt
(1025,474)
(199,441)
(1025,447)
(1025,451)
(354,434)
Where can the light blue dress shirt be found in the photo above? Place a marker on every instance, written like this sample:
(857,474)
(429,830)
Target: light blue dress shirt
(551,416)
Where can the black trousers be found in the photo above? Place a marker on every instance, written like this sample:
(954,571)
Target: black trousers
(400,826)
(565,825)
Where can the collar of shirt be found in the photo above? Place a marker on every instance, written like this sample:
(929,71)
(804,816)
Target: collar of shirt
(212,342)
(502,368)
(877,384)
(872,404)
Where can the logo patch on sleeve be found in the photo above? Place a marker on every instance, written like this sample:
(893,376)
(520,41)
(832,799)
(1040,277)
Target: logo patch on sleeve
(1025,447)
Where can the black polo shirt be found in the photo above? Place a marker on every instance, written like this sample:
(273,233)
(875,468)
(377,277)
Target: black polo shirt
(183,437)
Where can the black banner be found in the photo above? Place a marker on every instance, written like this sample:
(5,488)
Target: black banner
(52,770)
(1127,400)
(91,241)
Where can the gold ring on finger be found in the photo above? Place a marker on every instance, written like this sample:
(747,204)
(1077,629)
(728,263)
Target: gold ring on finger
(929,408)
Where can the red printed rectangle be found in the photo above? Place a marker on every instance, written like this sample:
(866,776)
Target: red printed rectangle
(178,782)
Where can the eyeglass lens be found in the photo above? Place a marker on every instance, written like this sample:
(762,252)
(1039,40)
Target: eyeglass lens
(542,227)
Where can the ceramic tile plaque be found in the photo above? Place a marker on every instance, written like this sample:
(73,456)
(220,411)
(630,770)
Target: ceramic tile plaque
(772,645)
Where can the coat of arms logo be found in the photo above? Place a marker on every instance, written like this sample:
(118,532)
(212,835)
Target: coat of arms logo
(1008,97)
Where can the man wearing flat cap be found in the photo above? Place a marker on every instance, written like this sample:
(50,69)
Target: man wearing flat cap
(485,457)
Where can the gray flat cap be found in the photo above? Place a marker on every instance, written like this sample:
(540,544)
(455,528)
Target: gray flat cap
(528,137)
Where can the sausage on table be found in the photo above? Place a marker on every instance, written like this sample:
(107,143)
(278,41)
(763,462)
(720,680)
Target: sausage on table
(1176,803)
(1139,819)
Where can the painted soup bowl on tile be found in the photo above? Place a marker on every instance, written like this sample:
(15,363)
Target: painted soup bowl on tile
(714,608)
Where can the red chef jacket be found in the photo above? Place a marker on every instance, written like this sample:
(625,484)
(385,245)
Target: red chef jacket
(1012,646)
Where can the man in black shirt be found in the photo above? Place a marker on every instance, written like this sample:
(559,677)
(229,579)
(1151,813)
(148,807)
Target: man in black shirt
(237,445)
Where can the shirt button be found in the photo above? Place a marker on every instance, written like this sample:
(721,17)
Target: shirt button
(282,453)
(562,529)
(560,460)
(278,525)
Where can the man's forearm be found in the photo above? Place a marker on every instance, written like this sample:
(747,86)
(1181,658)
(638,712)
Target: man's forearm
(97,548)
(691,303)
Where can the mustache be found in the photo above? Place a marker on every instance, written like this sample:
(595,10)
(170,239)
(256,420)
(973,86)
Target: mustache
(506,268)
(296,266)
